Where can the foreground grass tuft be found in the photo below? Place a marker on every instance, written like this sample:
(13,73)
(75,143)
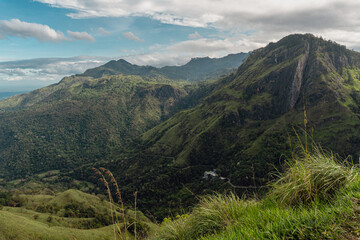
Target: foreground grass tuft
(317,176)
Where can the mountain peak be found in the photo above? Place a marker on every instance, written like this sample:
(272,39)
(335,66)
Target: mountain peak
(196,59)
(294,66)
(123,61)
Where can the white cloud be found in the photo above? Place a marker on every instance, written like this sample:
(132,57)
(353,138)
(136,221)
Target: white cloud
(103,32)
(131,36)
(265,20)
(81,36)
(194,35)
(200,12)
(17,28)
(13,79)
(43,33)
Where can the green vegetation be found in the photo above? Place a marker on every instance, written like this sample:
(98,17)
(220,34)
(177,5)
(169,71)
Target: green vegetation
(328,211)
(79,121)
(32,229)
(160,136)
(241,128)
(315,177)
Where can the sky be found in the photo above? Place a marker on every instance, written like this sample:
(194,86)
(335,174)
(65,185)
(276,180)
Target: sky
(41,41)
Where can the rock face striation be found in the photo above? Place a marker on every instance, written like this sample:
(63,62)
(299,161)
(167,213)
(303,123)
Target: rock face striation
(296,84)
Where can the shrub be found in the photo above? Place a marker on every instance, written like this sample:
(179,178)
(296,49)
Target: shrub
(142,229)
(5,198)
(177,229)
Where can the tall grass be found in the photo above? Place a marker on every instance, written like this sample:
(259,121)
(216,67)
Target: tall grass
(215,213)
(310,177)
(120,223)
(119,230)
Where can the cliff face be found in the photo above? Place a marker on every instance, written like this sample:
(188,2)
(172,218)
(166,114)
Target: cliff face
(296,83)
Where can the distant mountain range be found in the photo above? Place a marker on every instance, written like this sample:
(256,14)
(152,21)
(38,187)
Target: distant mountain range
(197,69)
(160,129)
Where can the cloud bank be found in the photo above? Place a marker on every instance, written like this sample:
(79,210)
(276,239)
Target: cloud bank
(44,71)
(180,53)
(264,20)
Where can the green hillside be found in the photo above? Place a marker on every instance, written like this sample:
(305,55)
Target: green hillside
(241,129)
(244,123)
(80,120)
(30,229)
(67,215)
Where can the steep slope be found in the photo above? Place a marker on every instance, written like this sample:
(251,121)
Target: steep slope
(241,129)
(80,120)
(246,119)
(197,69)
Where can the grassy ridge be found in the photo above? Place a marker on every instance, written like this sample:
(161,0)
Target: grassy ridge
(329,210)
(67,215)
(31,229)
